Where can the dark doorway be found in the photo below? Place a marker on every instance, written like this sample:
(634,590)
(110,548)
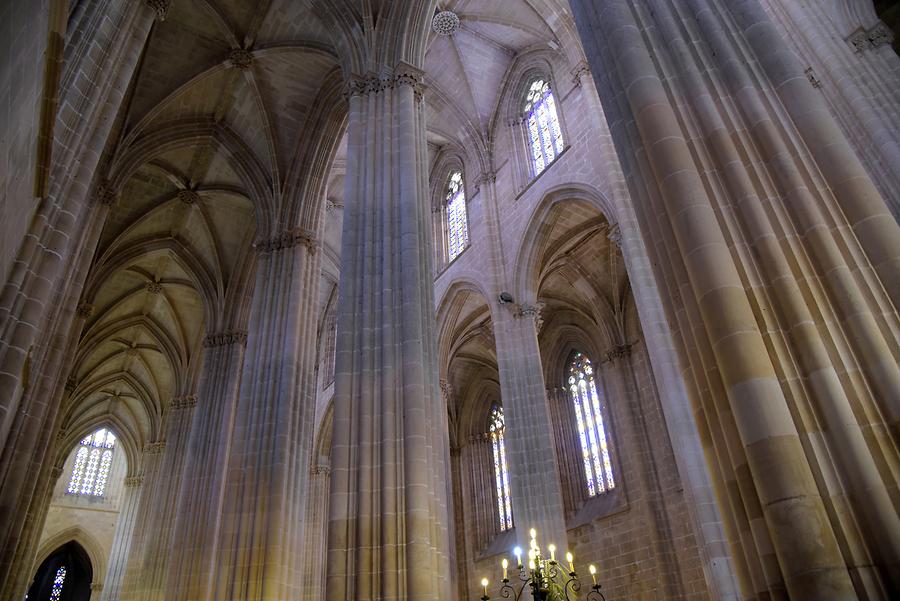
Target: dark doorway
(65,575)
(889,12)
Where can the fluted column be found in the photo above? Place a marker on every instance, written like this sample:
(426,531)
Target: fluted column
(646,54)
(260,553)
(38,300)
(316,534)
(537,499)
(192,561)
(133,582)
(125,523)
(388,524)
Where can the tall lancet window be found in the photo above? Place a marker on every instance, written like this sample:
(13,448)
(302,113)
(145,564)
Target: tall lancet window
(501,474)
(58,581)
(457,225)
(92,462)
(542,120)
(595,447)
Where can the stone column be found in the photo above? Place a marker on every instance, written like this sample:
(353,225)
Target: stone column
(316,534)
(388,523)
(533,469)
(192,562)
(613,33)
(38,300)
(118,556)
(133,581)
(260,552)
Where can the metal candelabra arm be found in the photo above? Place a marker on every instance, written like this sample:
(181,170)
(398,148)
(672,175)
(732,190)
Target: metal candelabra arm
(507,591)
(595,594)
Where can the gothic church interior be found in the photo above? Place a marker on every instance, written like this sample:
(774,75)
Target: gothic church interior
(423,299)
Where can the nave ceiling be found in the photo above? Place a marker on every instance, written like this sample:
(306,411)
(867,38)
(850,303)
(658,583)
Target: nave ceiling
(232,131)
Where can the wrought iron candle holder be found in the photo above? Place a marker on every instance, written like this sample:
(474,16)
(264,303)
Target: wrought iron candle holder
(541,576)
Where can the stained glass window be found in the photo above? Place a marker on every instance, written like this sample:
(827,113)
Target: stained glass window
(501,474)
(330,347)
(92,462)
(544,133)
(457,226)
(56,590)
(595,447)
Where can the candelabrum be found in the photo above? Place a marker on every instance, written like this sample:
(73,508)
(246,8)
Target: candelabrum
(546,578)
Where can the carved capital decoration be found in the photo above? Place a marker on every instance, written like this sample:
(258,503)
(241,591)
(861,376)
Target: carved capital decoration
(153,287)
(618,351)
(188,197)
(84,310)
(487,177)
(321,470)
(133,481)
(71,384)
(55,472)
(240,58)
(580,71)
(226,338)
(863,39)
(880,35)
(96,586)
(811,76)
(403,75)
(161,7)
(290,239)
(533,312)
(106,194)
(615,235)
(155,448)
(187,401)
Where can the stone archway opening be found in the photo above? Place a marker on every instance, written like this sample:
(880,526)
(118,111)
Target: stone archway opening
(65,575)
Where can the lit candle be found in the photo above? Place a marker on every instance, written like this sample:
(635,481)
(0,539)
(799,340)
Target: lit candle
(533,533)
(569,559)
(530,564)
(505,565)
(552,552)
(593,570)
(484,584)
(518,553)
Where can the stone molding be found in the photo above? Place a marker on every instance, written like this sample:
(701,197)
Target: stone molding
(133,481)
(864,39)
(403,75)
(289,239)
(155,448)
(187,401)
(160,7)
(240,58)
(188,197)
(225,338)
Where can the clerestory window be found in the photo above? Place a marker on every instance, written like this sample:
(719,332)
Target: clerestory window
(93,459)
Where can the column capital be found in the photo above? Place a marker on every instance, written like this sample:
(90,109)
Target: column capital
(618,351)
(96,586)
(84,310)
(155,448)
(532,311)
(289,239)
(614,233)
(134,481)
(186,401)
(580,71)
(371,83)
(225,338)
(105,194)
(160,7)
(321,470)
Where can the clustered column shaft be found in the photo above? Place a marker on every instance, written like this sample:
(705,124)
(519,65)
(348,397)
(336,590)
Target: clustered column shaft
(388,522)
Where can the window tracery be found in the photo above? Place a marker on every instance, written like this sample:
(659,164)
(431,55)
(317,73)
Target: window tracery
(542,122)
(501,473)
(457,221)
(595,442)
(92,463)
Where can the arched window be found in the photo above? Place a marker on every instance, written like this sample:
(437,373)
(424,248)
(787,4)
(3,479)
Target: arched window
(501,474)
(457,221)
(92,462)
(330,347)
(542,121)
(58,580)
(595,447)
